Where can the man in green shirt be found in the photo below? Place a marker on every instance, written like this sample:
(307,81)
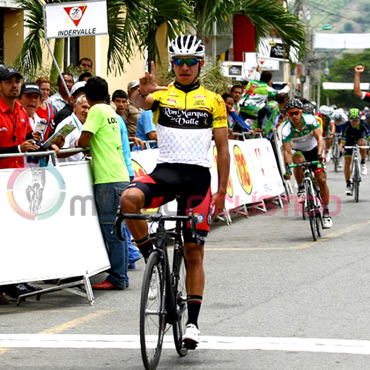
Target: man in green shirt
(101,133)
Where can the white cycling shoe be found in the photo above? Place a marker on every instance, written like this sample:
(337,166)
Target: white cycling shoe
(191,336)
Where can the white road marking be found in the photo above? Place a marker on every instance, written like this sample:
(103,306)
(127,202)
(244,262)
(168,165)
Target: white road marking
(358,347)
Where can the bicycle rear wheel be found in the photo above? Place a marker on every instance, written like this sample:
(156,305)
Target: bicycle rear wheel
(152,311)
(356,183)
(180,293)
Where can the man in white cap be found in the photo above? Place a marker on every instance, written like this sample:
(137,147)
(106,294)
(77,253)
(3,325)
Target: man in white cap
(132,112)
(77,89)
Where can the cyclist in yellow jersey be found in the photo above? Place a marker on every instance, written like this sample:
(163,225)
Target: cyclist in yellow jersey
(186,115)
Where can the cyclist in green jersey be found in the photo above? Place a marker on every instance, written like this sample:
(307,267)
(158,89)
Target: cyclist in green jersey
(302,141)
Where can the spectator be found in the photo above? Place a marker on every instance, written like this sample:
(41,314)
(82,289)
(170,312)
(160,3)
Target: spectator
(15,130)
(61,98)
(235,122)
(255,98)
(84,76)
(77,89)
(132,112)
(101,133)
(85,65)
(237,93)
(45,109)
(120,99)
(146,129)
(77,118)
(30,99)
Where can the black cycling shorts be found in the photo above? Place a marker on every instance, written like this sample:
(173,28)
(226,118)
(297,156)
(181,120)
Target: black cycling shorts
(190,184)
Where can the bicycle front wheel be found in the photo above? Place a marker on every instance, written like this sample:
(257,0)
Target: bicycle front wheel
(179,279)
(311,210)
(152,311)
(356,183)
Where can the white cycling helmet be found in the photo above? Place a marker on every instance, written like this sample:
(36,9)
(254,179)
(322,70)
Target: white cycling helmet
(338,114)
(325,110)
(186,45)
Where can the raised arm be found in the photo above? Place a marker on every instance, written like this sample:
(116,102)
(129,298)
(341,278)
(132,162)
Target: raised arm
(147,85)
(356,86)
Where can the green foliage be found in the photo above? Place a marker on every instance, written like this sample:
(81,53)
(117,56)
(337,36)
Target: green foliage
(213,79)
(132,25)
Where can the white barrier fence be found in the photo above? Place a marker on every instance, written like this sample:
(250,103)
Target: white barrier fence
(50,228)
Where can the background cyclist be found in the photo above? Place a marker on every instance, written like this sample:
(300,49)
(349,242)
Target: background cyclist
(302,141)
(353,134)
(186,114)
(325,113)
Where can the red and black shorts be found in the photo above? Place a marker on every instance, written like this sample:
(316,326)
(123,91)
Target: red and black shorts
(189,184)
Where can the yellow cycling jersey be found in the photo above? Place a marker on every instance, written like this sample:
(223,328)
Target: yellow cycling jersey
(185,120)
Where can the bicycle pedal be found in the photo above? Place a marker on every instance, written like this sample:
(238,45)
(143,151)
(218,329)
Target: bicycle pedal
(190,344)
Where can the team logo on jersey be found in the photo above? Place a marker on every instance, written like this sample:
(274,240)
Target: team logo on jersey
(173,101)
(199,103)
(198,96)
(75,13)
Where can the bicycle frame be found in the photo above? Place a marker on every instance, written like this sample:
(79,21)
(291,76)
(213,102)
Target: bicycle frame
(312,201)
(356,169)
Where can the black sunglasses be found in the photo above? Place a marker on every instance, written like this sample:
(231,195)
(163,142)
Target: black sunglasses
(189,62)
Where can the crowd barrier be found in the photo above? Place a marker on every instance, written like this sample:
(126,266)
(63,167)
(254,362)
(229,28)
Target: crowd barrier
(254,173)
(50,228)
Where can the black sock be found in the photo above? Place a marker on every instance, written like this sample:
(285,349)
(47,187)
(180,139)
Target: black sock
(194,303)
(362,161)
(145,245)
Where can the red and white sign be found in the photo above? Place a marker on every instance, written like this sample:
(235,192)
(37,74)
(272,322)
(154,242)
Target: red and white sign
(78,19)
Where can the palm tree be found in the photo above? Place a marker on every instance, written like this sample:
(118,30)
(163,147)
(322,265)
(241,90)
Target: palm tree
(133,24)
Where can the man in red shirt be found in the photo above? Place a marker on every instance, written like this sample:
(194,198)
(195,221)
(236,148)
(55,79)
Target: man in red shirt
(15,130)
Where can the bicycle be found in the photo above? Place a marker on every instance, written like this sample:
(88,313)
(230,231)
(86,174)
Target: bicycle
(336,152)
(312,205)
(356,170)
(163,292)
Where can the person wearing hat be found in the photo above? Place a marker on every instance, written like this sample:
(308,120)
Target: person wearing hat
(30,99)
(16,134)
(132,112)
(77,89)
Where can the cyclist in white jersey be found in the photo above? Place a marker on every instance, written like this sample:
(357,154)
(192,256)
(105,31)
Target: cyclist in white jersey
(303,142)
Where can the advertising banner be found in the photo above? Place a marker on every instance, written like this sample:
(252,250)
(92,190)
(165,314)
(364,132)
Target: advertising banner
(50,227)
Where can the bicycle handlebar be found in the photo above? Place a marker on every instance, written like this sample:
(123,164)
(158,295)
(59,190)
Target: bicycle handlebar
(158,216)
(304,164)
(356,146)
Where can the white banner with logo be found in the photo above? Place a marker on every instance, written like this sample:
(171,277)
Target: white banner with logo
(254,174)
(50,227)
(75,19)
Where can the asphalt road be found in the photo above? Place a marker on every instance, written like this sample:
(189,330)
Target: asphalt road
(274,300)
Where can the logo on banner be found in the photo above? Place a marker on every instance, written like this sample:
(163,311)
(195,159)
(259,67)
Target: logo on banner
(75,13)
(36,193)
(229,189)
(243,171)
